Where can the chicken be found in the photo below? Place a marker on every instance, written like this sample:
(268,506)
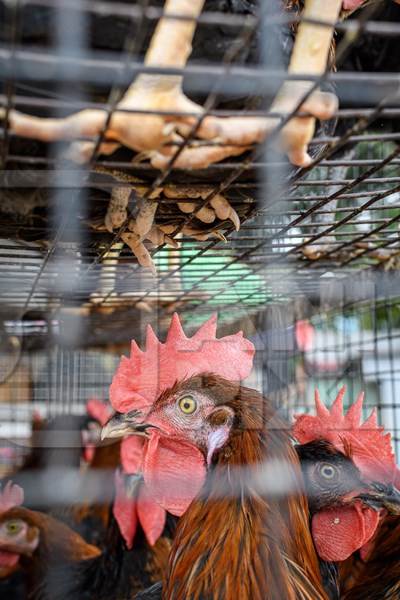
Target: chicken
(12,583)
(170,47)
(349,473)
(60,564)
(40,543)
(133,542)
(206,439)
(33,539)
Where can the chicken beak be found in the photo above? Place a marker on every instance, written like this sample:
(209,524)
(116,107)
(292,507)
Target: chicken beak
(382,496)
(114,428)
(121,425)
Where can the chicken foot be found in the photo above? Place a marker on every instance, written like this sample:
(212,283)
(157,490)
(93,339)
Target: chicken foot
(309,57)
(141,227)
(169,47)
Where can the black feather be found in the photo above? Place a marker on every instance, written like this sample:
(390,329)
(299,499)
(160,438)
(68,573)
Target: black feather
(152,593)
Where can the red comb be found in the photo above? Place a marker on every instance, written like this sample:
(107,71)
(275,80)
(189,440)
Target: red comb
(370,447)
(141,378)
(11,495)
(98,410)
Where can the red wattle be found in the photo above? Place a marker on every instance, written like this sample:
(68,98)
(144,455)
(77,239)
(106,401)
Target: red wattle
(174,472)
(8,559)
(124,510)
(131,454)
(338,532)
(152,516)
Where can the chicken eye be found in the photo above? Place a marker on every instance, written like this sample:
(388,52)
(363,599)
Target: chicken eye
(13,527)
(328,471)
(187,405)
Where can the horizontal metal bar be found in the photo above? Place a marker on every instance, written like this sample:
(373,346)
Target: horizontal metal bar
(101,68)
(153,13)
(67,105)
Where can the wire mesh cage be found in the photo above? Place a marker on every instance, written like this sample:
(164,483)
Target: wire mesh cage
(189,157)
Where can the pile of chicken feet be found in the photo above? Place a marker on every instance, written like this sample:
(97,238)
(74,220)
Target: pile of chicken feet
(158,136)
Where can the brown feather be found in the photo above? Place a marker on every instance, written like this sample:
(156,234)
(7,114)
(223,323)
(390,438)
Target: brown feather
(249,546)
(379,577)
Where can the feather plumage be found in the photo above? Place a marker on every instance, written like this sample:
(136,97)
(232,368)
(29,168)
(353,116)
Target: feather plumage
(234,542)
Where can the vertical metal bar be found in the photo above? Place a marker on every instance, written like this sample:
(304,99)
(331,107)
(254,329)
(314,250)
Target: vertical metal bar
(71,31)
(12,8)
(392,375)
(275,364)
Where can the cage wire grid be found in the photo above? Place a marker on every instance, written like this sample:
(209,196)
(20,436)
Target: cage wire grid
(67,284)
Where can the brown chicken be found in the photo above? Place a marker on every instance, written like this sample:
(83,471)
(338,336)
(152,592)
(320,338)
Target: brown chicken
(39,542)
(206,442)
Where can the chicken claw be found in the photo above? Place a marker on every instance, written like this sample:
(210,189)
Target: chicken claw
(224,210)
(157,237)
(220,207)
(139,250)
(203,236)
(237,135)
(134,124)
(117,211)
(143,222)
(195,158)
(205,214)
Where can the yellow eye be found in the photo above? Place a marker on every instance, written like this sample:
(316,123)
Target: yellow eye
(13,527)
(187,405)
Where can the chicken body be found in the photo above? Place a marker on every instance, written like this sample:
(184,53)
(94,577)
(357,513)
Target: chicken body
(53,570)
(62,567)
(378,576)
